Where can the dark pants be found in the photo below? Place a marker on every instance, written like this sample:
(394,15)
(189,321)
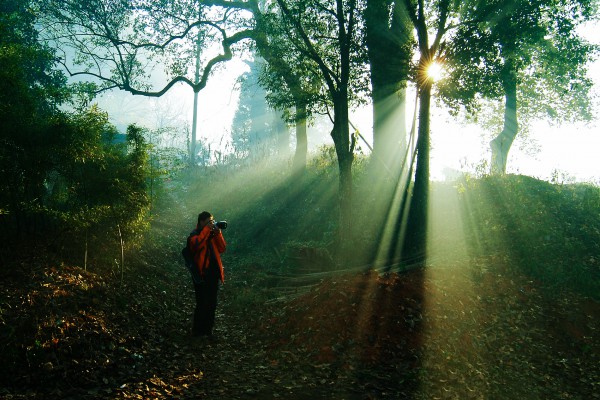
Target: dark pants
(206,305)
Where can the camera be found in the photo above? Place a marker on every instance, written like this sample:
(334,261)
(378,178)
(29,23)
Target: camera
(221,224)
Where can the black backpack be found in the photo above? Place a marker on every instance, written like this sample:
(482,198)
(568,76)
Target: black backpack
(188,258)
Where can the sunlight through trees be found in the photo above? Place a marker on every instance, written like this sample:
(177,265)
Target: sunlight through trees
(351,272)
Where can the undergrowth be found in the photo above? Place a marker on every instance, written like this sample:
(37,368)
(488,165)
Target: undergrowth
(522,234)
(548,231)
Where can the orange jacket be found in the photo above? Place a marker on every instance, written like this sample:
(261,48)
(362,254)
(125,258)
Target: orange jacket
(198,244)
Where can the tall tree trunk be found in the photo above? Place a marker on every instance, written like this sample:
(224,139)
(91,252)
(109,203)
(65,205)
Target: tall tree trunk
(301,138)
(502,143)
(344,148)
(195,112)
(389,57)
(414,249)
(416,238)
(282,135)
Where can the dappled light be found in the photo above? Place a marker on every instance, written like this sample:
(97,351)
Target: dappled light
(344,269)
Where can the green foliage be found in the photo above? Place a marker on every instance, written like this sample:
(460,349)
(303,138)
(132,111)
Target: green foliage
(289,78)
(325,161)
(29,85)
(99,185)
(537,41)
(30,92)
(86,185)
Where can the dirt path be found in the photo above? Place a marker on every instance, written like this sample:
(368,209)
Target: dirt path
(69,334)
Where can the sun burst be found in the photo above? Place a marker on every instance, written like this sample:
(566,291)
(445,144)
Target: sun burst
(435,71)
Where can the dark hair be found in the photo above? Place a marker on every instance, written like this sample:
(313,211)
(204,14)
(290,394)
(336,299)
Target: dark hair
(203,216)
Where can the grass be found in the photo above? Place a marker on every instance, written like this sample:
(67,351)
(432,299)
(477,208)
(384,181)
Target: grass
(548,231)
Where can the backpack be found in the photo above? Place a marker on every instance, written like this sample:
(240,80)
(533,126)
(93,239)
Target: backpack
(187,256)
(188,259)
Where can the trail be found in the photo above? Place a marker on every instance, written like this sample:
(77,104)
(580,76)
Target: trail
(241,362)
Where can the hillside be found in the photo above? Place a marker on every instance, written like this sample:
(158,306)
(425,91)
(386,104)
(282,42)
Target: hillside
(506,307)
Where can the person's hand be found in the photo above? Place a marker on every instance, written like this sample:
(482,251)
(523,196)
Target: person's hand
(214,228)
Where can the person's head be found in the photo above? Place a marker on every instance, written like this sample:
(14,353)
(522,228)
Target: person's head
(204,218)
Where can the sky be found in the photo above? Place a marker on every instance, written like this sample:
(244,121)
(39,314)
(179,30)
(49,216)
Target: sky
(567,153)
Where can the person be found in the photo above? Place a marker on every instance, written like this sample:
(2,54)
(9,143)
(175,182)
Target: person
(206,243)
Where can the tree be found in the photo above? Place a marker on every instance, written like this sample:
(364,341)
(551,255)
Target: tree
(121,44)
(327,34)
(292,86)
(96,185)
(423,19)
(60,170)
(31,91)
(527,52)
(257,130)
(131,203)
(390,44)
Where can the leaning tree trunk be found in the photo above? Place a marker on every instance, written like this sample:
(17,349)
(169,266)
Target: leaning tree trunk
(416,238)
(502,143)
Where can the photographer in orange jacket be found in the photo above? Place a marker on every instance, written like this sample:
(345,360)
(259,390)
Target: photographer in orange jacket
(206,243)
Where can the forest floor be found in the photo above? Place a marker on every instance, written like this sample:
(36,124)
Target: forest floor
(445,332)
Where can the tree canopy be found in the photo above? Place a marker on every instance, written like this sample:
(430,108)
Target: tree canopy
(528,53)
(60,165)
